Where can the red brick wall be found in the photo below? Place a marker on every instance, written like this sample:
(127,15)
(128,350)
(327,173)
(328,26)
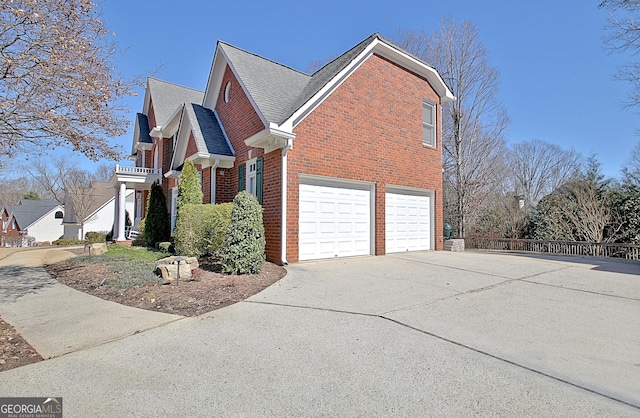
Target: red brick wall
(369,129)
(206,185)
(241,121)
(272,205)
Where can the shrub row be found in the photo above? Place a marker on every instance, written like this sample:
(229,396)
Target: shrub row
(200,229)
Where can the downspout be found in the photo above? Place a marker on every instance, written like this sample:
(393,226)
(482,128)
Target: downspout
(285,150)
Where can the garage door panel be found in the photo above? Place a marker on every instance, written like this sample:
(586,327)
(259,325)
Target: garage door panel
(333,222)
(408,226)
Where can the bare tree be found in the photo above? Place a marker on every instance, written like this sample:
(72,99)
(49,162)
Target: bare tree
(538,168)
(51,176)
(624,36)
(104,172)
(58,86)
(79,196)
(631,170)
(474,124)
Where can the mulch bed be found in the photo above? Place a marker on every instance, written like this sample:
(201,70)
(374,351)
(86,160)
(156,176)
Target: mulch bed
(209,289)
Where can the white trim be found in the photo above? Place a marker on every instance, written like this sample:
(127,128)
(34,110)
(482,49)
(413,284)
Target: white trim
(385,50)
(212,199)
(434,123)
(244,88)
(283,227)
(224,132)
(227,92)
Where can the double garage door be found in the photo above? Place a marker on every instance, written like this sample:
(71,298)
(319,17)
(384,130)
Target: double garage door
(336,221)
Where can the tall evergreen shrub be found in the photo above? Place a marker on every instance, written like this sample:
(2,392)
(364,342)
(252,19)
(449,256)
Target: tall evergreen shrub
(157,226)
(243,246)
(189,186)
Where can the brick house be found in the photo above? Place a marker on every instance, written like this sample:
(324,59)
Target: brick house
(345,161)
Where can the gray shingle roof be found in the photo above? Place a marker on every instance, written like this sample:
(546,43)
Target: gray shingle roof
(143,127)
(168,97)
(27,212)
(279,91)
(272,86)
(102,193)
(207,131)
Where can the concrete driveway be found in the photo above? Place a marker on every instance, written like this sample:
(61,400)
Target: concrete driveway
(415,334)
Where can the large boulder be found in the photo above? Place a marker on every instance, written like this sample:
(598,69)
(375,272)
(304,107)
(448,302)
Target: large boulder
(96,248)
(168,268)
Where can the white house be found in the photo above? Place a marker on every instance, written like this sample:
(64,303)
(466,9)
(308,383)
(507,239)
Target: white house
(31,222)
(100,213)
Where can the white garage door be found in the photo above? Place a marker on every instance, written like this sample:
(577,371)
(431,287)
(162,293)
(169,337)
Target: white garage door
(334,222)
(408,226)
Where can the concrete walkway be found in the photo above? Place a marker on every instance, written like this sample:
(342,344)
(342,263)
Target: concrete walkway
(415,334)
(56,319)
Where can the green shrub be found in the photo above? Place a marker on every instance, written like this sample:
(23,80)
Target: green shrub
(157,222)
(95,237)
(200,229)
(68,241)
(166,247)
(243,246)
(139,240)
(189,187)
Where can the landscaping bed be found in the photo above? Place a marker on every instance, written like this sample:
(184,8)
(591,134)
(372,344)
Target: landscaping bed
(209,289)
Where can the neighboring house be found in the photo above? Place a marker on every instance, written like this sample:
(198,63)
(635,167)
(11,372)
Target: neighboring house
(99,212)
(345,161)
(31,222)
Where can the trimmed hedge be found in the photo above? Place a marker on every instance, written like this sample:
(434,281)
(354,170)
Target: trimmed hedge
(243,246)
(200,229)
(95,237)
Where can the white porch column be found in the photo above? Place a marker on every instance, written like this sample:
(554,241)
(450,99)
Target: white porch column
(122,194)
(115,215)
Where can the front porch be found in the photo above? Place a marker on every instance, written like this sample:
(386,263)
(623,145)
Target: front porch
(138,179)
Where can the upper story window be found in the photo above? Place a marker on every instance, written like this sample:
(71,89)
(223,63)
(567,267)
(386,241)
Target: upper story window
(227,92)
(59,215)
(428,123)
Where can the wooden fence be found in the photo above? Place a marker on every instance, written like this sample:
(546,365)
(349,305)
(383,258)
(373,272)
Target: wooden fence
(595,249)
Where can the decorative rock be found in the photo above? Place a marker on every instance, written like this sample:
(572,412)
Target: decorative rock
(96,248)
(168,268)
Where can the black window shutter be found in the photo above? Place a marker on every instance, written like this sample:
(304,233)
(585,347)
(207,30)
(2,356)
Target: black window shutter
(241,184)
(259,164)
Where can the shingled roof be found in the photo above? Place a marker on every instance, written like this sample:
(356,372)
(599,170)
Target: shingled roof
(206,130)
(277,90)
(274,88)
(168,97)
(27,212)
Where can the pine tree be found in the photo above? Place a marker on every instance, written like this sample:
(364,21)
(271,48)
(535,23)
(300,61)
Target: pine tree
(157,224)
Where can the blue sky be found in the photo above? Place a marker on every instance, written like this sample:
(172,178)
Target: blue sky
(556,77)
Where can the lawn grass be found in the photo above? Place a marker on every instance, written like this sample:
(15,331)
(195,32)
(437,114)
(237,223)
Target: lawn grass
(131,266)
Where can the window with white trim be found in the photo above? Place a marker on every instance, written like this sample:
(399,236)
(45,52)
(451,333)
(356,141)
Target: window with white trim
(428,123)
(251,177)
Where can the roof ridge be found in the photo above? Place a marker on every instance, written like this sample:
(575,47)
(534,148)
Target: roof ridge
(368,38)
(174,84)
(264,58)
